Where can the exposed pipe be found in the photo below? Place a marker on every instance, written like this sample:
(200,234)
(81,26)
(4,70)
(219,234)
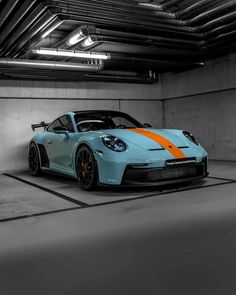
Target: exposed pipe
(55,22)
(220,38)
(172,51)
(96,40)
(45,75)
(87,30)
(147,20)
(140,27)
(123,18)
(118,78)
(220,30)
(6,10)
(77,76)
(79,35)
(168,4)
(23,27)
(136,24)
(50,65)
(195,6)
(151,6)
(181,5)
(192,8)
(13,22)
(202,9)
(147,38)
(154,60)
(153,52)
(211,25)
(40,24)
(158,10)
(114,7)
(212,12)
(124,4)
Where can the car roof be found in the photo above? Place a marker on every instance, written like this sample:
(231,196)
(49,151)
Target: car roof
(97,111)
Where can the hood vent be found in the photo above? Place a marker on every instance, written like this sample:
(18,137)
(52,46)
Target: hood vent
(162,149)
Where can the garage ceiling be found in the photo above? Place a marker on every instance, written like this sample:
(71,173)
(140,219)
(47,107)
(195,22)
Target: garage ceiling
(111,40)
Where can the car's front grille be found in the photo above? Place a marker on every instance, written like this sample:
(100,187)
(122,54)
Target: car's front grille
(171,173)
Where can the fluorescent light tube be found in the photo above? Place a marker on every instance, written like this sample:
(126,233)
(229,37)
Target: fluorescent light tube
(69,53)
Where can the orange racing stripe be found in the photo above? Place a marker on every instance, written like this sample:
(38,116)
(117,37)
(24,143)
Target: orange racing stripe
(165,143)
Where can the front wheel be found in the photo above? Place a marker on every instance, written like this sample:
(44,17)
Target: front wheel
(86,168)
(33,160)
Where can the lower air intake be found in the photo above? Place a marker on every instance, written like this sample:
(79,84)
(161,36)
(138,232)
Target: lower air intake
(147,175)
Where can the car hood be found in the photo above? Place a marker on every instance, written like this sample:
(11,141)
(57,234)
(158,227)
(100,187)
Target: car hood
(144,141)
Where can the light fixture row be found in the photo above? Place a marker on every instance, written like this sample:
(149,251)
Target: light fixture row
(71,53)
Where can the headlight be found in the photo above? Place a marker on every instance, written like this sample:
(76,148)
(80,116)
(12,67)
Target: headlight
(190,137)
(114,143)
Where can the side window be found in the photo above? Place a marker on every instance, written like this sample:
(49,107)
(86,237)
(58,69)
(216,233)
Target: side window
(64,121)
(55,123)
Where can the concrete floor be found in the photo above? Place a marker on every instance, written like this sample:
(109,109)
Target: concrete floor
(57,239)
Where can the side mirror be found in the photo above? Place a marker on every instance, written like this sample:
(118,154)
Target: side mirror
(147,125)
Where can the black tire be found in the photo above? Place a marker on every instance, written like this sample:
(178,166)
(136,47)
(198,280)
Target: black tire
(86,168)
(33,160)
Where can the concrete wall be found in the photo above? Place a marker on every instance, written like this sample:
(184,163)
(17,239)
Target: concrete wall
(203,101)
(24,102)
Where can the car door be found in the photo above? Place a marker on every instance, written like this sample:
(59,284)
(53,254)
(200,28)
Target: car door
(59,144)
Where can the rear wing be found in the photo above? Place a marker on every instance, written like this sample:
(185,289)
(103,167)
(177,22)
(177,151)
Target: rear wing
(42,124)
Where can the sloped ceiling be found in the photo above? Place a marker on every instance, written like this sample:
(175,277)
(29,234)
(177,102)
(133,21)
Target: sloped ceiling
(138,38)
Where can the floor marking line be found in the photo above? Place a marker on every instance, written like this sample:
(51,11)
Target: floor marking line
(62,196)
(38,214)
(100,204)
(220,178)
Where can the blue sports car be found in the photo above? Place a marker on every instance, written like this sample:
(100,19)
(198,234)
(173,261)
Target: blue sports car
(112,148)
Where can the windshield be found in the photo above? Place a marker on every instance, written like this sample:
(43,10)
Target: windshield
(105,120)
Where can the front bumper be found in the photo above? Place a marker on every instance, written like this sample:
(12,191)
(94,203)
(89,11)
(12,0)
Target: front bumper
(134,175)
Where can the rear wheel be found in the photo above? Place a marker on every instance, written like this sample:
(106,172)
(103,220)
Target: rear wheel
(33,160)
(86,168)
